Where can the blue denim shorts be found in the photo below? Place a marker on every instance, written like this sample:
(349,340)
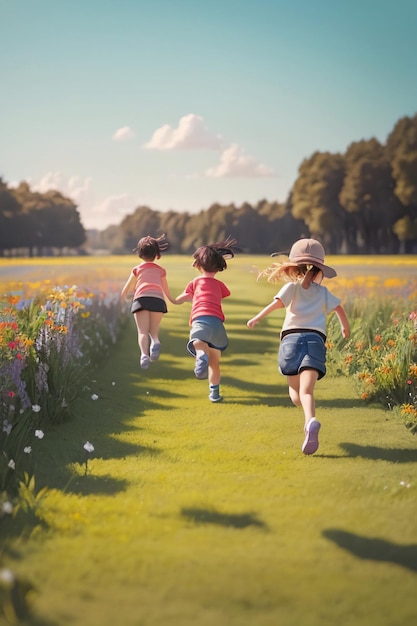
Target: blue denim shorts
(209,329)
(299,351)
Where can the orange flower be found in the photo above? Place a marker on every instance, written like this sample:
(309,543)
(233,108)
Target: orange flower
(413,370)
(377,338)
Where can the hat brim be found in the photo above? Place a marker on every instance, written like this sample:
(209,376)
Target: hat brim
(328,272)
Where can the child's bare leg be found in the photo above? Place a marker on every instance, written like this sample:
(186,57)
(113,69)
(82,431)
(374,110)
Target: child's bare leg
(214,366)
(308,379)
(154,323)
(201,359)
(214,374)
(294,389)
(142,319)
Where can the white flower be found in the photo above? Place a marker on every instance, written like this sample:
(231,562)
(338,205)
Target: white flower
(7,427)
(28,449)
(6,575)
(39,434)
(113,383)
(88,446)
(11,464)
(94,396)
(7,508)
(36,408)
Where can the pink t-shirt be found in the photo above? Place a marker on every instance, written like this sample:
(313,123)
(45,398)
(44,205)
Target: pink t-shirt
(148,280)
(207,293)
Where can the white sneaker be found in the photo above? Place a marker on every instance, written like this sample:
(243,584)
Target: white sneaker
(311,441)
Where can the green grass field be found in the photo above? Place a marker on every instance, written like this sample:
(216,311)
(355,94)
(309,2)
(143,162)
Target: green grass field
(194,514)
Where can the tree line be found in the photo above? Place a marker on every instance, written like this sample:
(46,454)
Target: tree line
(361,202)
(38,224)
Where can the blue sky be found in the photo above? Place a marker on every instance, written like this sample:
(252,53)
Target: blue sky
(178,104)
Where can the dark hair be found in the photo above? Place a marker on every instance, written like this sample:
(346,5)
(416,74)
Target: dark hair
(149,248)
(212,257)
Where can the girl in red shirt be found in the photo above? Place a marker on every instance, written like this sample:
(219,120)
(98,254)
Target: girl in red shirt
(208,338)
(148,306)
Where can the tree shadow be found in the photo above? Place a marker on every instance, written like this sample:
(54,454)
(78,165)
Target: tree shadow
(376,453)
(373,549)
(229,520)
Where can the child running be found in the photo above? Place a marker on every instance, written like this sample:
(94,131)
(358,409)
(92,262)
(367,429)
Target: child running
(148,279)
(302,352)
(208,338)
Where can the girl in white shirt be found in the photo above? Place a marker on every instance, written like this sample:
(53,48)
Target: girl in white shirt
(302,351)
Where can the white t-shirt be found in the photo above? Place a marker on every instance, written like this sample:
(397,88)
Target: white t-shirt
(306,308)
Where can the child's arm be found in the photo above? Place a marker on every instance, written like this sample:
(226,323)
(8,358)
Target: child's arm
(164,284)
(273,306)
(183,297)
(127,287)
(343,321)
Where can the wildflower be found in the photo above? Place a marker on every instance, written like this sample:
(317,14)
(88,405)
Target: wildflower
(11,464)
(7,427)
(36,408)
(39,434)
(27,449)
(7,508)
(11,394)
(88,446)
(94,396)
(364,396)
(378,338)
(7,576)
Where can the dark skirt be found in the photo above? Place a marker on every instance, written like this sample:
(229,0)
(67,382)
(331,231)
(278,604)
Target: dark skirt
(147,303)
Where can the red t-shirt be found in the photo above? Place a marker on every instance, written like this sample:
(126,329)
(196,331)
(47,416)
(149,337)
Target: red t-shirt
(148,280)
(207,293)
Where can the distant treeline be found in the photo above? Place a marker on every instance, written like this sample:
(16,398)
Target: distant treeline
(361,202)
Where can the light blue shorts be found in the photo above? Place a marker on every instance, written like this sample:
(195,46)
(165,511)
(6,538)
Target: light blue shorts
(299,351)
(209,329)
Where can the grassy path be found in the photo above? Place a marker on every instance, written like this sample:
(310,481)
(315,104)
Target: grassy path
(194,514)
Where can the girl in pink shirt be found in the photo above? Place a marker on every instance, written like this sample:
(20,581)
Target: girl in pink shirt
(148,279)
(208,338)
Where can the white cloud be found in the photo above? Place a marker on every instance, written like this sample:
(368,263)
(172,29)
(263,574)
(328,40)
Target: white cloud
(190,134)
(113,208)
(76,188)
(235,163)
(94,213)
(123,134)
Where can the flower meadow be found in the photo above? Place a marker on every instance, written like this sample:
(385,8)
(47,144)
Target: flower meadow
(50,338)
(381,354)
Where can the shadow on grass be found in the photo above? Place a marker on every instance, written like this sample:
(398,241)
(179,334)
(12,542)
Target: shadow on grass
(229,520)
(375,453)
(371,549)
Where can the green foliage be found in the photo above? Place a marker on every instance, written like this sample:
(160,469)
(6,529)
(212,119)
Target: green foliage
(381,354)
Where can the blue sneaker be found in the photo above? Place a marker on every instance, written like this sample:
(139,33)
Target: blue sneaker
(201,367)
(214,394)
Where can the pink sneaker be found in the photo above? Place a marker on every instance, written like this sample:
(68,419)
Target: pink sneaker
(311,442)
